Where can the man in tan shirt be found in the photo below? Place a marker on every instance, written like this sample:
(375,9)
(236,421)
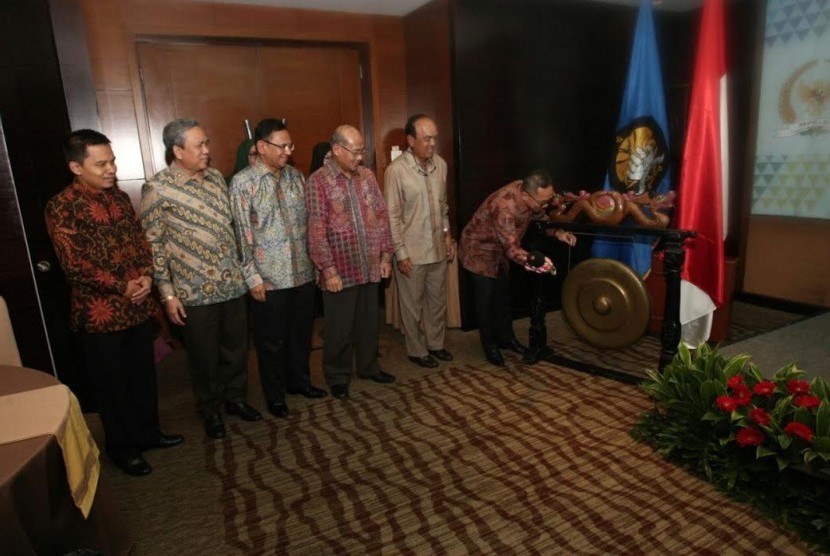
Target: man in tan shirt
(416,196)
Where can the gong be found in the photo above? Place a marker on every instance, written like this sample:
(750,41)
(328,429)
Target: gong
(606,303)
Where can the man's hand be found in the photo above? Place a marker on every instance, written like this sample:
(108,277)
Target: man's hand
(175,311)
(566,237)
(138,289)
(546,267)
(450,247)
(333,284)
(258,293)
(405,266)
(386,269)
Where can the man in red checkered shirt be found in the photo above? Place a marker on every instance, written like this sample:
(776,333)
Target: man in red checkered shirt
(350,244)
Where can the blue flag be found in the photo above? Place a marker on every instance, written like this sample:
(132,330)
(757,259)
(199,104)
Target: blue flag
(640,159)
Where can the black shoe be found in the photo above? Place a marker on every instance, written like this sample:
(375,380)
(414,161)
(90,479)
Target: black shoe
(243,411)
(278,409)
(311,392)
(340,391)
(164,441)
(136,466)
(493,355)
(441,354)
(426,361)
(382,378)
(215,426)
(514,345)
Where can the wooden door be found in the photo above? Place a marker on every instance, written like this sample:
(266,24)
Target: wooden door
(314,88)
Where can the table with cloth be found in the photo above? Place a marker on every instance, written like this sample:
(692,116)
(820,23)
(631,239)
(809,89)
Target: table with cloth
(53,499)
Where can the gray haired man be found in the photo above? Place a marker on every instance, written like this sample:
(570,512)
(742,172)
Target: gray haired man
(187,220)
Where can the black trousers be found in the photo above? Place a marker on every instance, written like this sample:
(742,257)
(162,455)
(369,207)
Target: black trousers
(282,334)
(123,374)
(351,331)
(216,338)
(492,298)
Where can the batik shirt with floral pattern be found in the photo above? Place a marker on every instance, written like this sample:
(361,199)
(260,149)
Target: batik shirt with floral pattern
(188,224)
(493,236)
(101,247)
(271,226)
(348,224)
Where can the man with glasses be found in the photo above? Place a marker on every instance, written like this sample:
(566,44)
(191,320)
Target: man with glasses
(268,204)
(416,196)
(351,246)
(490,241)
(187,220)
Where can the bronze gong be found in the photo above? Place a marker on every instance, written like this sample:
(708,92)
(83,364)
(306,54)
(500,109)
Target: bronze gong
(606,303)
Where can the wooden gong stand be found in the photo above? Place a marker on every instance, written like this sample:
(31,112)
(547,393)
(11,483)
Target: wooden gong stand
(672,246)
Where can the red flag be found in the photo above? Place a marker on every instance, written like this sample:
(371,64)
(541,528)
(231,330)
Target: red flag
(701,198)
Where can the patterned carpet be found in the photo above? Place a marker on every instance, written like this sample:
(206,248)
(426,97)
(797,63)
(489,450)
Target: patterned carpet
(464,459)
(747,321)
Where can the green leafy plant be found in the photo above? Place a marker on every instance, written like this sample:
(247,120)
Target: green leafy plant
(766,441)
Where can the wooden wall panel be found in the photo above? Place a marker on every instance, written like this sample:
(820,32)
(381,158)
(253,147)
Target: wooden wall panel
(315,89)
(114,25)
(429,82)
(350,91)
(787,258)
(158,101)
(109,48)
(389,88)
(125,142)
(212,84)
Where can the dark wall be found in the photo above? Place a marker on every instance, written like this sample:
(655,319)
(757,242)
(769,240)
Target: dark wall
(540,85)
(34,124)
(536,86)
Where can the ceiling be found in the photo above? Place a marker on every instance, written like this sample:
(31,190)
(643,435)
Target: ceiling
(403,7)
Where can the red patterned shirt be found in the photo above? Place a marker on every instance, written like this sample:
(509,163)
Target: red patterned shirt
(100,246)
(494,234)
(348,224)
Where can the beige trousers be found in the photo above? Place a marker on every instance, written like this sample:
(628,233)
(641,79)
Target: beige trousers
(423,301)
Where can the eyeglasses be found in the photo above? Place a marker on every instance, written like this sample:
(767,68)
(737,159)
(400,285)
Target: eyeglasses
(544,203)
(252,153)
(354,152)
(283,147)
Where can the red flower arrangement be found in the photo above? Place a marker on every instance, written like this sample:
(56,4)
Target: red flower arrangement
(768,414)
(736,382)
(724,419)
(798,387)
(726,403)
(799,430)
(807,401)
(764,388)
(750,436)
(760,416)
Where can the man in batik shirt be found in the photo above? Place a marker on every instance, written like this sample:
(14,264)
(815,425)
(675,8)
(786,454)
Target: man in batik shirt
(268,203)
(107,262)
(351,246)
(490,240)
(187,220)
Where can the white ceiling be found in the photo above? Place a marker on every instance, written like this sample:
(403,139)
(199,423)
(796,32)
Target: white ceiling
(403,7)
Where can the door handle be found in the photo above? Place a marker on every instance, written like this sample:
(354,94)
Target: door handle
(43,266)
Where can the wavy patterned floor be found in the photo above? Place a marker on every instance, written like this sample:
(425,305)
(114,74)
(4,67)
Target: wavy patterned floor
(461,460)
(747,321)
